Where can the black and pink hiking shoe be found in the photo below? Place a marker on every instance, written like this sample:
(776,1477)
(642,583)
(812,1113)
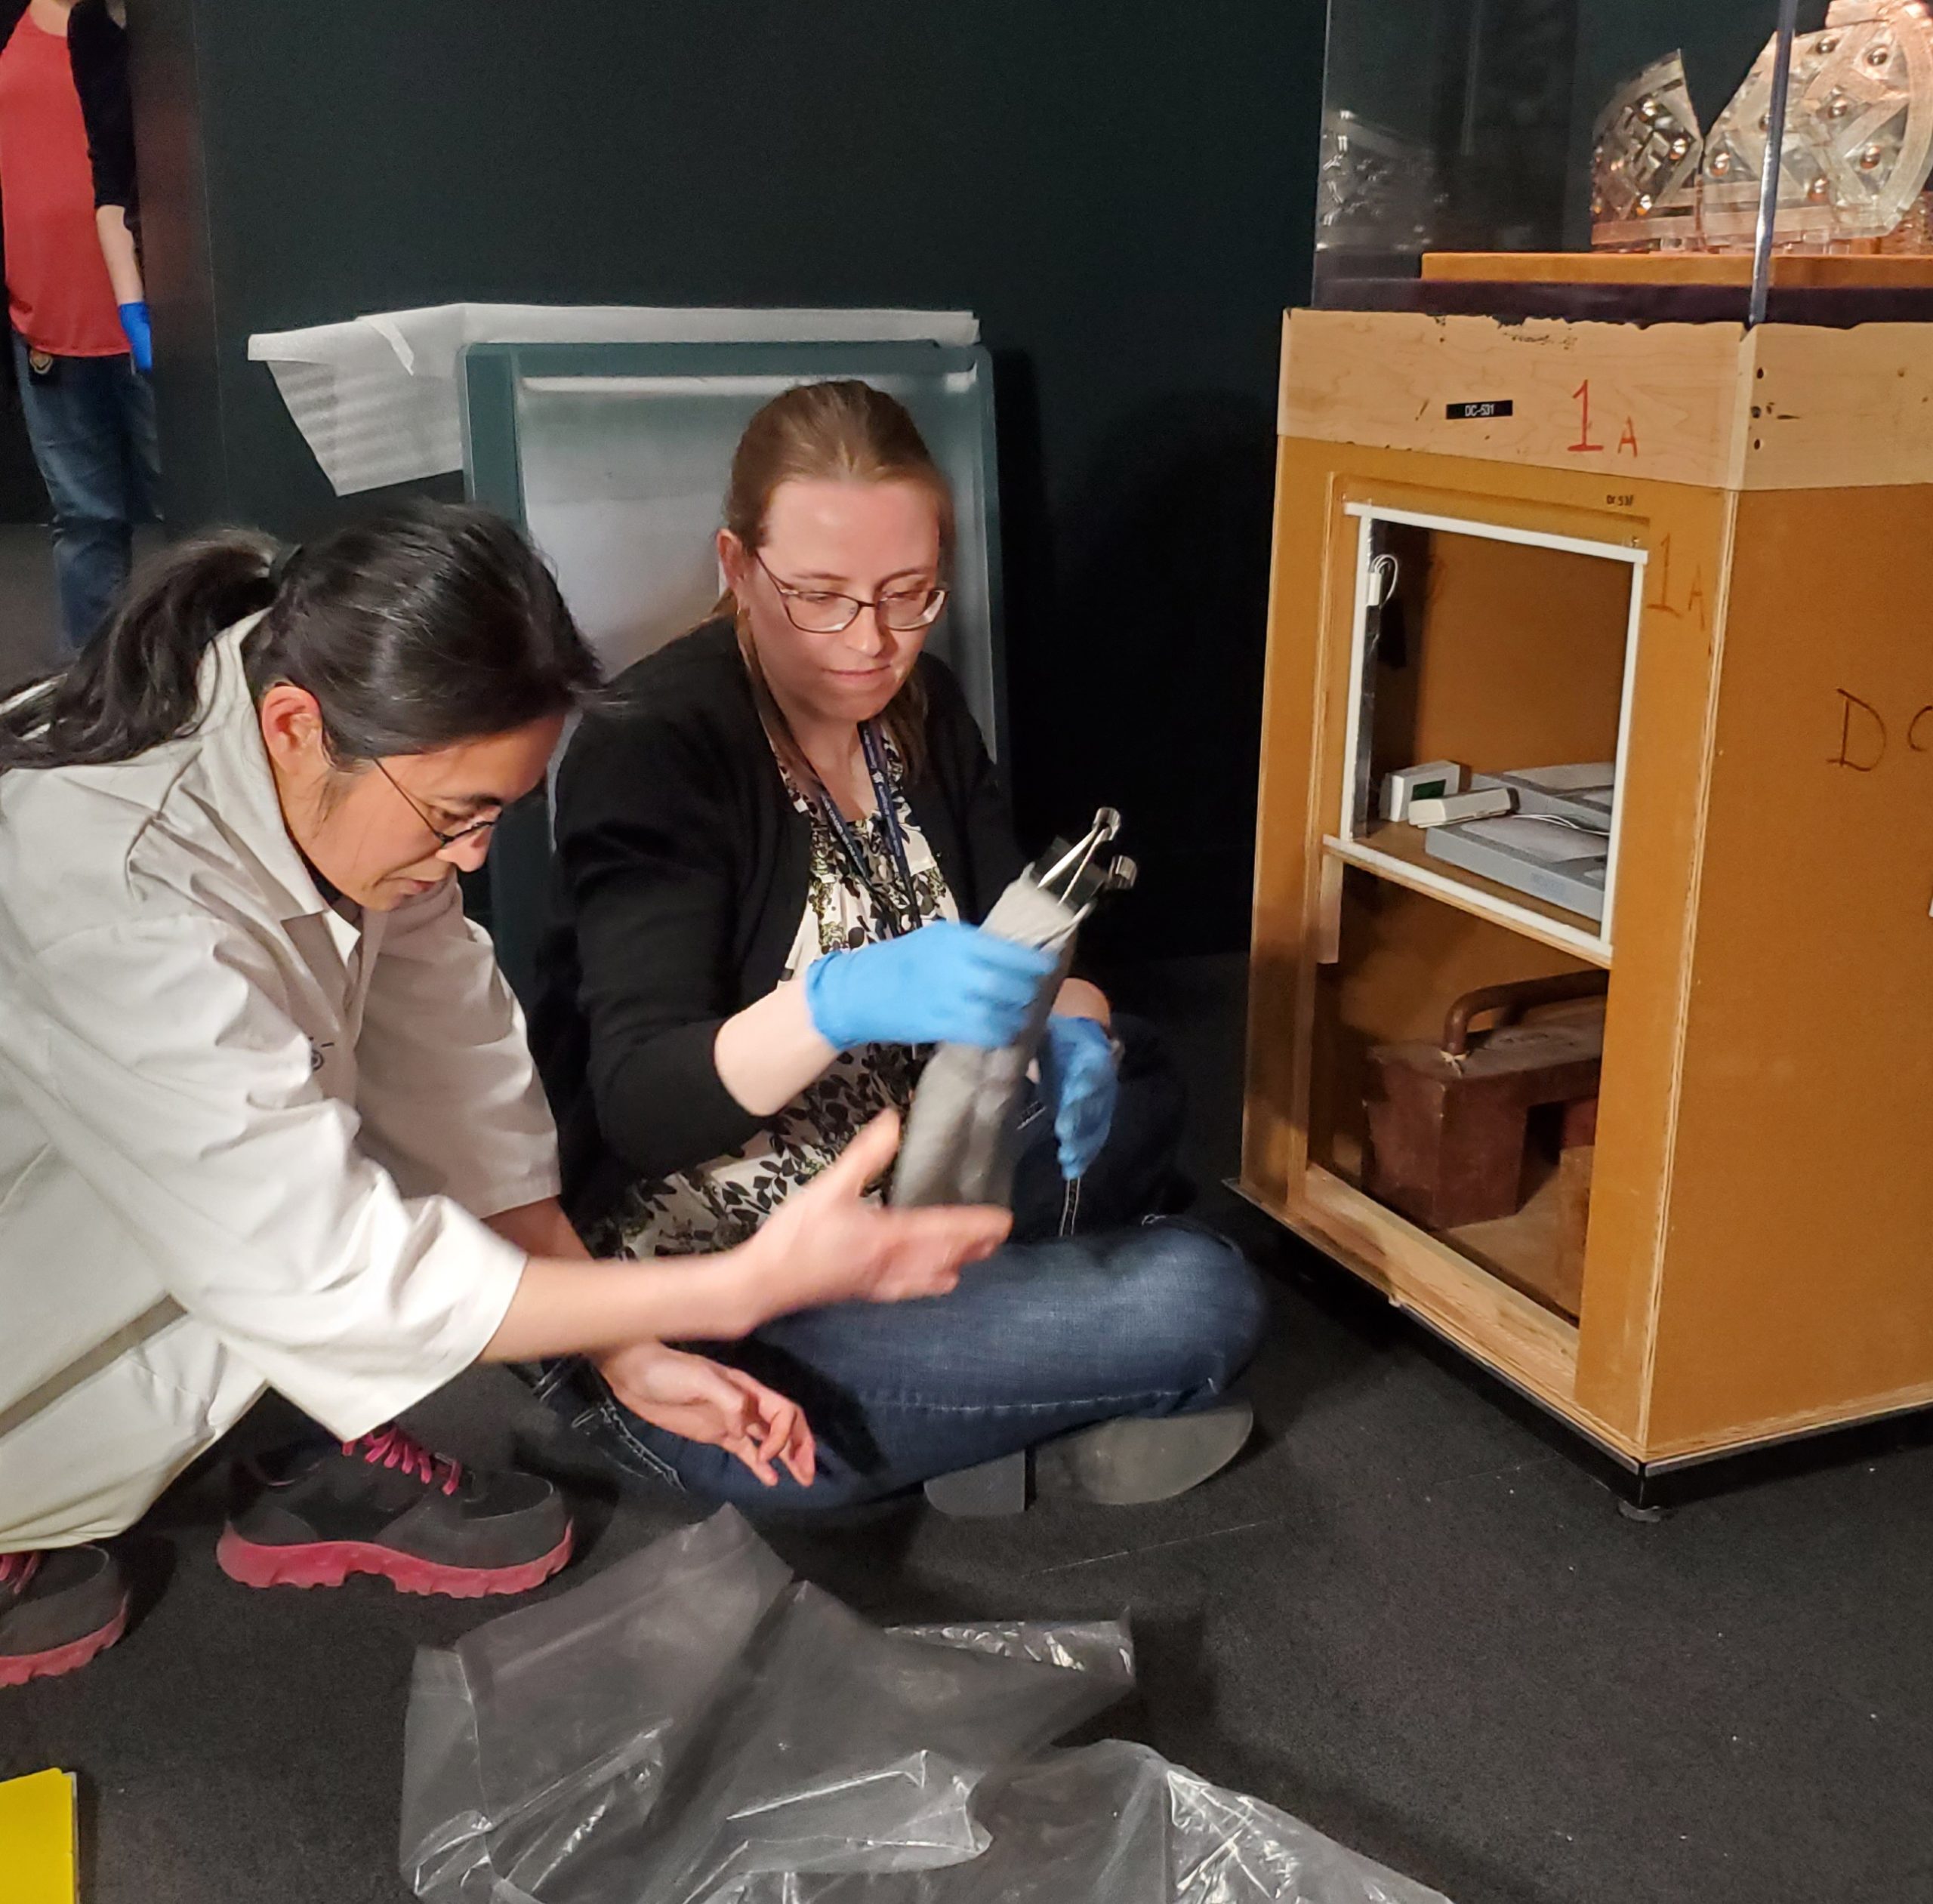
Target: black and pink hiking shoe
(58,1608)
(387,1505)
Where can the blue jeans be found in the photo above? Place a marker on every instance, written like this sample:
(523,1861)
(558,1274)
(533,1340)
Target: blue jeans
(1042,1338)
(90,420)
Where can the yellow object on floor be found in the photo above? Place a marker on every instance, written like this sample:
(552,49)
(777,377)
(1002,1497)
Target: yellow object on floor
(37,1853)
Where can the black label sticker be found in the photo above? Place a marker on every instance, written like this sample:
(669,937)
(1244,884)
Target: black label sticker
(1479,412)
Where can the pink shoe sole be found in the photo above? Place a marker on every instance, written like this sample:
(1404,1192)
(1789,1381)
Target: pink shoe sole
(15,1669)
(328,1563)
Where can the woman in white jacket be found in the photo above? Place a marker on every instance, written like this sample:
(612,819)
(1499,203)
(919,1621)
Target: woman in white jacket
(266,1116)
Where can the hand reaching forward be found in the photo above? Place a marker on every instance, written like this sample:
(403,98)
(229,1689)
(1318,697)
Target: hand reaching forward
(826,1244)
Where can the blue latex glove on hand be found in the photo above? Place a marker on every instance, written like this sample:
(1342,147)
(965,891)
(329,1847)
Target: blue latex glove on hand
(945,983)
(1077,1078)
(140,335)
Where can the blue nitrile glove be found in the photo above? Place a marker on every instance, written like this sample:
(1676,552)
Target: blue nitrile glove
(140,334)
(945,983)
(1077,1078)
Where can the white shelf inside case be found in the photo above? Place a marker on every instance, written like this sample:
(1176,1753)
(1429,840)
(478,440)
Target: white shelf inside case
(1560,891)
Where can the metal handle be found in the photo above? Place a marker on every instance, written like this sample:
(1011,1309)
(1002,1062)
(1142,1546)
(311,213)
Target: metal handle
(1076,878)
(1107,824)
(1771,171)
(1513,1000)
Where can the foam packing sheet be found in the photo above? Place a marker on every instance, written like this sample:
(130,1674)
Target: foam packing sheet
(376,398)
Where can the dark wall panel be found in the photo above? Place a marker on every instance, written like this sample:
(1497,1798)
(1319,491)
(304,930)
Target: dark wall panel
(23,497)
(195,343)
(1122,192)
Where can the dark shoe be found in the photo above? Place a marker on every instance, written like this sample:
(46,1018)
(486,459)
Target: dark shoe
(1127,1463)
(991,1491)
(57,1610)
(1123,1464)
(387,1505)
(1176,1197)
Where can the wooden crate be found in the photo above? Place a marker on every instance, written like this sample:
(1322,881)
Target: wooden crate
(1861,271)
(1761,1209)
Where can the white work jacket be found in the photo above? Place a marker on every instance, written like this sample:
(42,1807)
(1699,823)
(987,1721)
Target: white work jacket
(243,1142)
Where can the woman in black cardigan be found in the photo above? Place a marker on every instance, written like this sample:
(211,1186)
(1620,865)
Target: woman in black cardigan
(771,852)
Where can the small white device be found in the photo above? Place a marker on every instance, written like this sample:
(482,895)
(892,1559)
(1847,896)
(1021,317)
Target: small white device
(1583,794)
(1434,780)
(1482,803)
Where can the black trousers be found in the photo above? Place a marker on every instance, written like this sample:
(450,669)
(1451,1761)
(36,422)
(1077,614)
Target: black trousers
(1135,1175)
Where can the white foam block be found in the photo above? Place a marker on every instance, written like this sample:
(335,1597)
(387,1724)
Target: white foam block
(1481,804)
(376,398)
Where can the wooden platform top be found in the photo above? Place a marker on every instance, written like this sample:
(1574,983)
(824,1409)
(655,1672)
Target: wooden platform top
(1905,270)
(1782,407)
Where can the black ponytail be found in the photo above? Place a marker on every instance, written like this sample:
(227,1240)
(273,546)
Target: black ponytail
(134,684)
(435,624)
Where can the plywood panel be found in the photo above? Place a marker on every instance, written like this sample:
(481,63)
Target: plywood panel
(1798,1285)
(1786,407)
(1520,1338)
(1899,272)
(1514,657)
(1689,534)
(1401,854)
(1686,532)
(1840,407)
(1769,1069)
(1539,1249)
(1288,865)
(1665,403)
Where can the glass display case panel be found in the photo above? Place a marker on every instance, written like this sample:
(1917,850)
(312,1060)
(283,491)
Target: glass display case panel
(1609,145)
(613,458)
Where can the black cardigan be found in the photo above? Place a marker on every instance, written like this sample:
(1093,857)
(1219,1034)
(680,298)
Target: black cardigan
(681,873)
(97,52)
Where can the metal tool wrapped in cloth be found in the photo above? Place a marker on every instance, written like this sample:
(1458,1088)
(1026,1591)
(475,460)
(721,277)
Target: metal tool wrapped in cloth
(962,1133)
(1449,1125)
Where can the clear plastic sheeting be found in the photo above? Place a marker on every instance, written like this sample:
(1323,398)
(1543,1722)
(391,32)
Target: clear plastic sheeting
(1117,1824)
(693,1727)
(693,1717)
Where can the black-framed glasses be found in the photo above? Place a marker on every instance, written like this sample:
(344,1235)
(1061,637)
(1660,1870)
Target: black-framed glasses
(443,839)
(825,611)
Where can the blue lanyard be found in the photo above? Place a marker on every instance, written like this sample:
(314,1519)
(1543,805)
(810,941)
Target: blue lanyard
(892,916)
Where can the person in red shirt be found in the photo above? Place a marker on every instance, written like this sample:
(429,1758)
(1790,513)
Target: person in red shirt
(81,348)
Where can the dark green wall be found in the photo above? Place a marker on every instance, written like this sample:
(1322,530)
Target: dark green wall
(1617,38)
(1719,39)
(1122,192)
(1509,91)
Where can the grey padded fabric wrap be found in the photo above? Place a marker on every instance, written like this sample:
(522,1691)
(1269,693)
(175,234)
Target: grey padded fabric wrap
(961,1134)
